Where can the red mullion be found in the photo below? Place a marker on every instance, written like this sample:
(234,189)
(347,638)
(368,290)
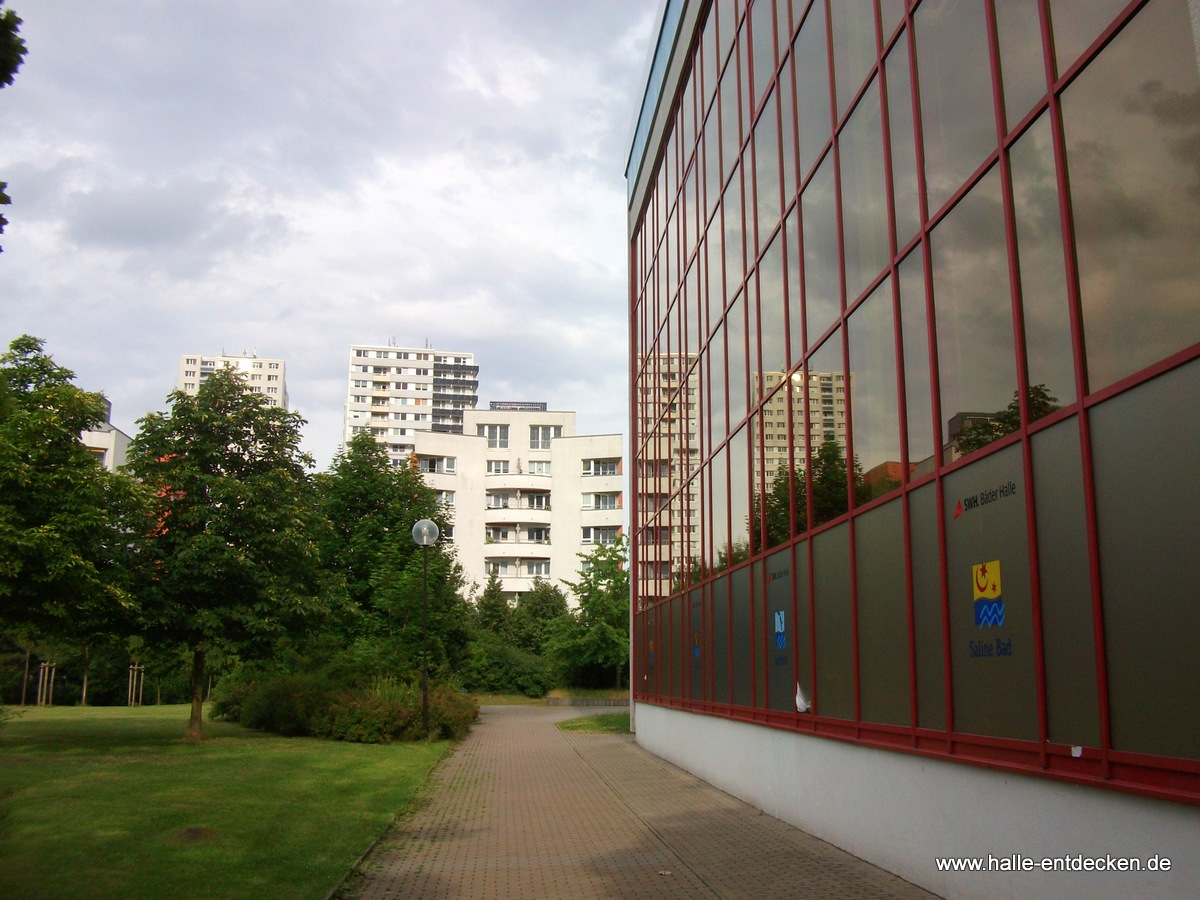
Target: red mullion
(901,388)
(935,389)
(1071,261)
(1018,326)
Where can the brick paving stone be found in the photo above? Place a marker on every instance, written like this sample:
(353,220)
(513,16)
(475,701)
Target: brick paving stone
(523,810)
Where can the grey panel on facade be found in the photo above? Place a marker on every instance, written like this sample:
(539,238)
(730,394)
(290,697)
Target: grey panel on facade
(740,599)
(992,653)
(780,632)
(1147,470)
(720,639)
(695,603)
(883,662)
(835,631)
(803,626)
(675,636)
(1072,704)
(927,608)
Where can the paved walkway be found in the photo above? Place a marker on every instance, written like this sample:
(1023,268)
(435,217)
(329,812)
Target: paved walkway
(523,810)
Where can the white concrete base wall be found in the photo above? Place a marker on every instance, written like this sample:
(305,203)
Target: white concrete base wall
(901,812)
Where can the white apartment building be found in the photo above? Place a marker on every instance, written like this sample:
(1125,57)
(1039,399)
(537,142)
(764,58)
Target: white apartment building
(109,444)
(395,393)
(526,493)
(263,376)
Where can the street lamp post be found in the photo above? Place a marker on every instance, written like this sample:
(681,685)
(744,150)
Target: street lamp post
(425,534)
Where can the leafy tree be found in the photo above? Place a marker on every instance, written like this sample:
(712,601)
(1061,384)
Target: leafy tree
(830,488)
(536,609)
(234,536)
(592,641)
(979,434)
(12,54)
(398,602)
(492,612)
(65,548)
(366,501)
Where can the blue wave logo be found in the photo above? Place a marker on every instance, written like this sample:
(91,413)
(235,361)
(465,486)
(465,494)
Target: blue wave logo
(989,613)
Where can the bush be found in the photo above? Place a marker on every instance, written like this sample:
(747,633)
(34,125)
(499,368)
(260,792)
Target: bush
(286,705)
(298,705)
(500,668)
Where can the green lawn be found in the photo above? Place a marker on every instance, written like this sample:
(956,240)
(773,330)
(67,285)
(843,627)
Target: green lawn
(109,804)
(609,723)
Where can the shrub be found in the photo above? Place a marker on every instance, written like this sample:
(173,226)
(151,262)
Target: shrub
(286,705)
(394,713)
(501,668)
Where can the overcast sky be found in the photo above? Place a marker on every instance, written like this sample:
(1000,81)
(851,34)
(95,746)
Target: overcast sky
(289,178)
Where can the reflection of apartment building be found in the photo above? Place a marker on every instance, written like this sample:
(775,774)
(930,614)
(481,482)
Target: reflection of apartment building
(395,393)
(262,376)
(902,232)
(783,415)
(525,493)
(669,398)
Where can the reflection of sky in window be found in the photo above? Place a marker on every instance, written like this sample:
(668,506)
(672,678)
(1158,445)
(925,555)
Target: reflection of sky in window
(821,290)
(1132,124)
(873,380)
(956,95)
(973,304)
(1043,274)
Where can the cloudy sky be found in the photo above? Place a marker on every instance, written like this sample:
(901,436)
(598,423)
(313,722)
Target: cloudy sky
(288,178)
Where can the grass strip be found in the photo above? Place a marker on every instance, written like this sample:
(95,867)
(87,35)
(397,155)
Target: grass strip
(608,723)
(109,803)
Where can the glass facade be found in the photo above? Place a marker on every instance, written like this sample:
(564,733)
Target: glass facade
(915,333)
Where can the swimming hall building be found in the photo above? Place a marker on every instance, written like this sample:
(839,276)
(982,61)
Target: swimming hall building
(915,453)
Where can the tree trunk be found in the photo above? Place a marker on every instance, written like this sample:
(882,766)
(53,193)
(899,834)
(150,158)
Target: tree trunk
(87,664)
(195,729)
(25,683)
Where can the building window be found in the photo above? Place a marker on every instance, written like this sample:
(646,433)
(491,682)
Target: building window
(497,567)
(537,567)
(541,435)
(538,535)
(538,501)
(272,365)
(601,467)
(497,436)
(606,535)
(496,534)
(436,465)
(497,466)
(446,498)
(539,467)
(497,501)
(610,500)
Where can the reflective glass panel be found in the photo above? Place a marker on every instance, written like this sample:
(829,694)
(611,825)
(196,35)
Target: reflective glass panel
(712,162)
(864,195)
(1043,273)
(973,308)
(719,504)
(739,497)
(773,330)
(904,146)
(893,13)
(826,385)
(873,401)
(854,50)
(822,301)
(918,396)
(787,128)
(735,331)
(1076,23)
(956,95)
(1022,65)
(762,33)
(715,290)
(811,53)
(795,306)
(716,387)
(734,248)
(766,170)
(730,126)
(1132,125)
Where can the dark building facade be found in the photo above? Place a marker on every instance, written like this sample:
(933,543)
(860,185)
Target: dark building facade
(954,247)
